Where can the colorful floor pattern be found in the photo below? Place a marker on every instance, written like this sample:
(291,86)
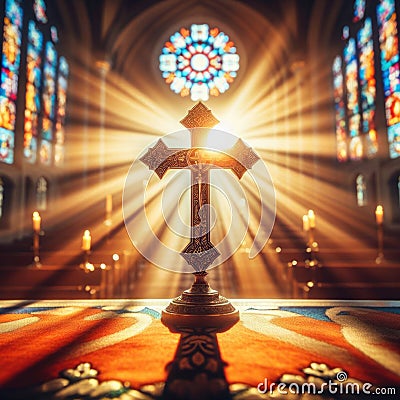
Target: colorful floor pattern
(119,348)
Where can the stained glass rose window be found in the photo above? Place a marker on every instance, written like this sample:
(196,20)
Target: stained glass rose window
(200,61)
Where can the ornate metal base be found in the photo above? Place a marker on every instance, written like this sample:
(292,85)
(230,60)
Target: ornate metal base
(200,307)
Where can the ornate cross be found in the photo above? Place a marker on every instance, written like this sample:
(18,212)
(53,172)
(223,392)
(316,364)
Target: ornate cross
(200,253)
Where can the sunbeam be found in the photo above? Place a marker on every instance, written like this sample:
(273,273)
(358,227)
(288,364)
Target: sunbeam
(279,102)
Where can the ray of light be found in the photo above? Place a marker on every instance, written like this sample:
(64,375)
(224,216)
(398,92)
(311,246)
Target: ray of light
(273,109)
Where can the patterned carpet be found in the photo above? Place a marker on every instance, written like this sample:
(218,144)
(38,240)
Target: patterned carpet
(119,349)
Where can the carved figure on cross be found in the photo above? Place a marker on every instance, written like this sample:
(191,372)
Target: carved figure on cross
(200,253)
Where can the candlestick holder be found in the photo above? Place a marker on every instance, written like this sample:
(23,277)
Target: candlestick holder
(86,265)
(36,263)
(312,255)
(380,257)
(311,237)
(108,224)
(312,250)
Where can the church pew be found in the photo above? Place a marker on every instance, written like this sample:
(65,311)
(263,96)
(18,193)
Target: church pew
(119,278)
(51,282)
(354,291)
(345,281)
(15,258)
(346,274)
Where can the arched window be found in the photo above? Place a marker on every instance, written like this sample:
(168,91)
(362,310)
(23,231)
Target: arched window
(361,190)
(41,194)
(389,46)
(10,62)
(340,112)
(32,97)
(45,92)
(359,10)
(356,150)
(63,71)
(49,103)
(367,85)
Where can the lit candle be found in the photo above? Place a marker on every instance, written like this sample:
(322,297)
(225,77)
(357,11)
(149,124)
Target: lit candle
(115,258)
(306,223)
(36,220)
(86,240)
(109,204)
(379,214)
(311,218)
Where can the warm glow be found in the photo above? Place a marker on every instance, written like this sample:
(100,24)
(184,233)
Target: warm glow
(86,240)
(220,140)
(379,214)
(263,108)
(36,221)
(306,223)
(311,218)
(268,123)
(109,204)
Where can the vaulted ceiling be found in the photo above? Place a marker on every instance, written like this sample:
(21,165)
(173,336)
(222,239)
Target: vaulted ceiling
(124,30)
(271,36)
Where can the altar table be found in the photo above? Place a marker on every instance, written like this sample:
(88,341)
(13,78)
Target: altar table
(120,349)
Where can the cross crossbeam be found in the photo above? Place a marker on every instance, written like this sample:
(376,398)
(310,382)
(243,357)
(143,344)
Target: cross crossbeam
(200,253)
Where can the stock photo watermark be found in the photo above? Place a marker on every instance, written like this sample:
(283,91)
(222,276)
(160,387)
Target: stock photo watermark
(340,385)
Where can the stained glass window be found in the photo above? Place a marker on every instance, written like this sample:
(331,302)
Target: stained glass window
(54,34)
(345,32)
(388,39)
(361,189)
(359,10)
(353,110)
(9,78)
(199,62)
(394,140)
(49,102)
(6,146)
(340,121)
(63,72)
(368,87)
(32,95)
(39,7)
(41,194)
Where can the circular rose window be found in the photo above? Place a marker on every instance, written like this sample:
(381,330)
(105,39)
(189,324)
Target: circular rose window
(199,62)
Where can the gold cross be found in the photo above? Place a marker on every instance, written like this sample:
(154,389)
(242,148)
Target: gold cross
(200,253)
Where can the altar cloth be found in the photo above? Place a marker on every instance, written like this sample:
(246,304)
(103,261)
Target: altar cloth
(124,341)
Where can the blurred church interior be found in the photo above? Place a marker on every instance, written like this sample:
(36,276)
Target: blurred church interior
(312,86)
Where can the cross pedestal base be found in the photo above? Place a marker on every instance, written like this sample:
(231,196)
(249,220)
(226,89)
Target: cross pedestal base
(200,307)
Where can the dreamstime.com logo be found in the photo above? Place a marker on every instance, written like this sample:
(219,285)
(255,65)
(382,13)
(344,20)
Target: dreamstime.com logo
(339,386)
(170,176)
